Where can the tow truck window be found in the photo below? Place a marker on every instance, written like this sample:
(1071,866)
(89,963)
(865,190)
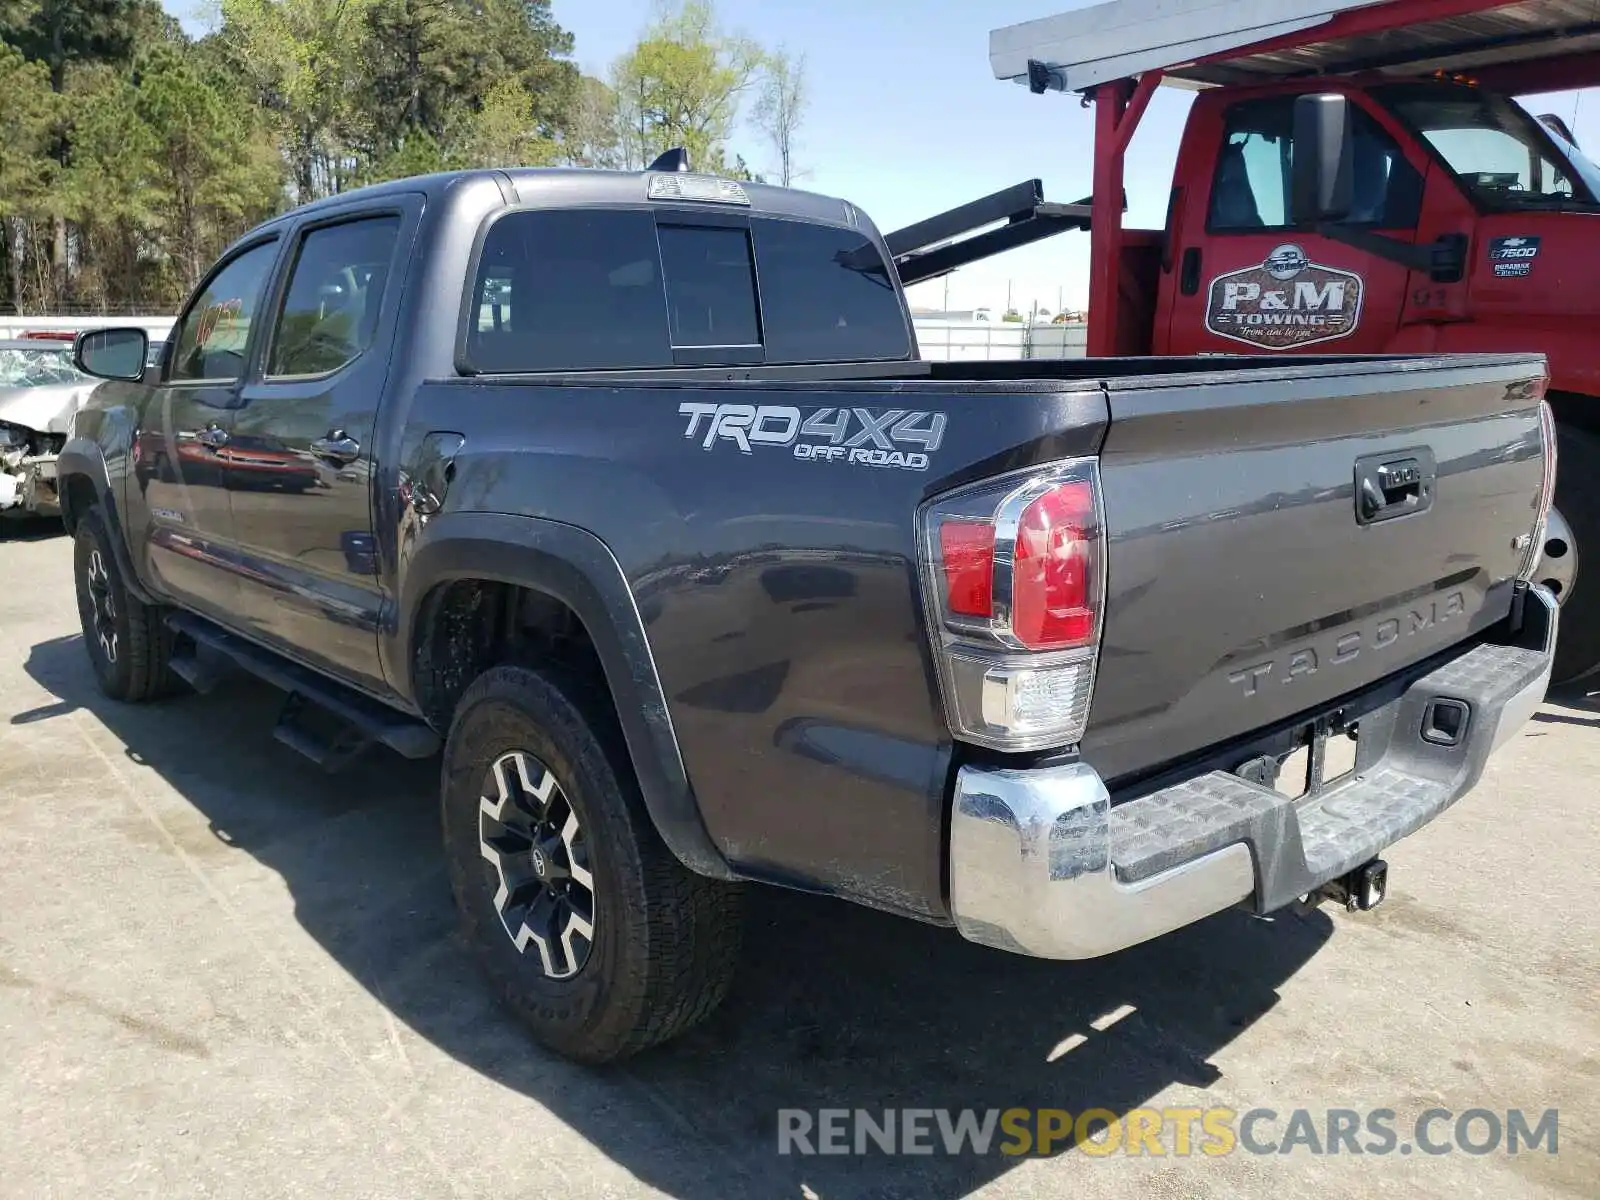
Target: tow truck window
(1250,188)
(1501,155)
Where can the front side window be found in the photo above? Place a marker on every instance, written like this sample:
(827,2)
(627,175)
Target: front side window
(214,334)
(1255,171)
(330,310)
(1500,154)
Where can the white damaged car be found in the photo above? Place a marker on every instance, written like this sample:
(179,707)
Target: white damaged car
(40,390)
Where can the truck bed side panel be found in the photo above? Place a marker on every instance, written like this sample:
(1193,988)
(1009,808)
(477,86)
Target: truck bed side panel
(779,593)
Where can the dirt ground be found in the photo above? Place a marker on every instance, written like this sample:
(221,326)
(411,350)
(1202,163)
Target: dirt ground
(223,973)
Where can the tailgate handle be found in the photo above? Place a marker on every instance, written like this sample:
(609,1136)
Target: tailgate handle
(1394,485)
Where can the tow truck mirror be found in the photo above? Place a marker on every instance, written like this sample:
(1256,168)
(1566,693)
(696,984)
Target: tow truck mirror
(1324,157)
(112,353)
(1558,127)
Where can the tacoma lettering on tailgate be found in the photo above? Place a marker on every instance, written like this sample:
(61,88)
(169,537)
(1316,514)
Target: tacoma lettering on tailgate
(1347,647)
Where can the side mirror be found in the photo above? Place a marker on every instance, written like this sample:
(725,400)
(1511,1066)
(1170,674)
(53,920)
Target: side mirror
(112,353)
(1558,127)
(1324,159)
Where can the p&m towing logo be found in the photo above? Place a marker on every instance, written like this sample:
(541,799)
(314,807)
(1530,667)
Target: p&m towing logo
(1285,303)
(894,437)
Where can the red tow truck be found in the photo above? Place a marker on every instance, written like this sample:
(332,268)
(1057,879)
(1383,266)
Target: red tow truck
(1353,178)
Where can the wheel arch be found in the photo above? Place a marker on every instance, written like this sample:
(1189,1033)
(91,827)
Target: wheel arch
(576,570)
(83,480)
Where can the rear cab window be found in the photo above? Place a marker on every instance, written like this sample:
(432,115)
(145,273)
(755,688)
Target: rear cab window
(618,289)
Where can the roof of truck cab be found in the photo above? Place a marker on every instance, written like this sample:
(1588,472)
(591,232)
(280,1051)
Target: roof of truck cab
(577,186)
(1520,45)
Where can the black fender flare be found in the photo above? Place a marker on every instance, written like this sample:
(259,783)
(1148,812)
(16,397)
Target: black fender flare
(575,567)
(82,458)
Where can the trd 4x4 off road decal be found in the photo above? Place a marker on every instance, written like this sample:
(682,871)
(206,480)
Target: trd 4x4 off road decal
(1287,302)
(893,437)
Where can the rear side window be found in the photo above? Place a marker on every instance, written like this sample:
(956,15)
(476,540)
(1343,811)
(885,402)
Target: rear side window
(335,295)
(826,295)
(569,291)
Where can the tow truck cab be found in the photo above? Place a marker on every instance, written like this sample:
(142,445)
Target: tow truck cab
(1468,227)
(1430,212)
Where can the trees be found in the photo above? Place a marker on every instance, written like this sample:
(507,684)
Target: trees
(591,136)
(684,83)
(781,109)
(61,33)
(681,85)
(165,172)
(300,62)
(130,154)
(504,132)
(450,83)
(123,167)
(27,171)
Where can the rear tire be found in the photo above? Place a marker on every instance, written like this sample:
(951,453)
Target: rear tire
(1578,500)
(128,643)
(588,926)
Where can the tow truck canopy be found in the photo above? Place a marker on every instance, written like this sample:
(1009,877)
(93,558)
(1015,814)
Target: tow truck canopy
(1531,45)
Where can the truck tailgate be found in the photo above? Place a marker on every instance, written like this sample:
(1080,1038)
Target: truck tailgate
(1249,580)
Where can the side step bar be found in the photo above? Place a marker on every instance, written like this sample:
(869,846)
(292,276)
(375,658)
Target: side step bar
(358,721)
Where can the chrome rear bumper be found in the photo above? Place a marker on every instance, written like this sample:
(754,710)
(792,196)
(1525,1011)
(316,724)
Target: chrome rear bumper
(1042,863)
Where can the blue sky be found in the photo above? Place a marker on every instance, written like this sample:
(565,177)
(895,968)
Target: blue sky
(906,119)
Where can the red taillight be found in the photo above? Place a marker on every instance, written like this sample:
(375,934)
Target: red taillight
(1052,585)
(967,550)
(1014,576)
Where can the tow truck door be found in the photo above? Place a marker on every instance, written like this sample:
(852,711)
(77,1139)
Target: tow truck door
(1243,277)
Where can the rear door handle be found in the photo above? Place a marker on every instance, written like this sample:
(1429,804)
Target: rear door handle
(338,447)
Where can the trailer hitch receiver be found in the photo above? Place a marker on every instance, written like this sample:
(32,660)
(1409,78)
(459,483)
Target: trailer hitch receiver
(1362,890)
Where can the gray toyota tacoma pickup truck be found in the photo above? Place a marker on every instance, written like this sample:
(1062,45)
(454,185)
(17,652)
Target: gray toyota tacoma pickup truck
(628,493)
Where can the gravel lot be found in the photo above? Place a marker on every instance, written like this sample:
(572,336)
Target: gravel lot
(225,974)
